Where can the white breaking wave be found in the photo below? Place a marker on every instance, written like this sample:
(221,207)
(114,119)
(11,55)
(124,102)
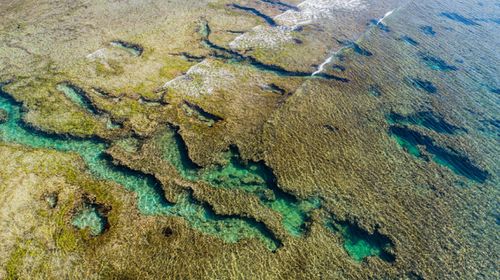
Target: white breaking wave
(310,11)
(385,16)
(322,65)
(330,58)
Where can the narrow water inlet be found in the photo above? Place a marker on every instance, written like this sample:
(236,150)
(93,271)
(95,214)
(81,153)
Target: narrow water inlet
(199,113)
(77,96)
(409,40)
(134,49)
(149,191)
(81,98)
(228,55)
(459,18)
(238,174)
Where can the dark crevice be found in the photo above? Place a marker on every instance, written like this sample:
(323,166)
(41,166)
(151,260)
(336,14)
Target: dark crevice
(360,243)
(190,57)
(419,84)
(494,90)
(338,68)
(202,115)
(355,47)
(459,18)
(104,94)
(269,20)
(133,48)
(436,63)
(379,25)
(229,55)
(331,128)
(167,231)
(425,119)
(281,5)
(275,89)
(428,30)
(83,99)
(412,140)
(236,31)
(185,160)
(408,40)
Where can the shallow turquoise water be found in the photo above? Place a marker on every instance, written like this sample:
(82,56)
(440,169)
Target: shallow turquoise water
(149,192)
(77,96)
(360,244)
(253,177)
(415,143)
(89,217)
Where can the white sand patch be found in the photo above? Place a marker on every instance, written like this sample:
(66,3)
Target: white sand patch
(263,37)
(311,11)
(99,54)
(202,79)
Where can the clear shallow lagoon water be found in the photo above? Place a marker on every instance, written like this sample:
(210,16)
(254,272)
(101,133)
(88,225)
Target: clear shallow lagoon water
(252,177)
(432,75)
(150,196)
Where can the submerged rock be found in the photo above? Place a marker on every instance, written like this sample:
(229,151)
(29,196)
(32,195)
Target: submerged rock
(3,116)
